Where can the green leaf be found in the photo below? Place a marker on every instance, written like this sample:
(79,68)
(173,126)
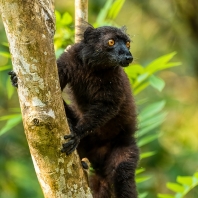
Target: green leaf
(142,131)
(187,180)
(141,179)
(5,44)
(169,65)
(139,170)
(58,16)
(147,139)
(66,19)
(165,196)
(134,70)
(147,154)
(151,110)
(115,9)
(157,83)
(10,124)
(159,63)
(141,78)
(7,117)
(142,195)
(141,101)
(10,88)
(152,120)
(138,89)
(5,54)
(196,175)
(6,67)
(103,12)
(175,187)
(187,184)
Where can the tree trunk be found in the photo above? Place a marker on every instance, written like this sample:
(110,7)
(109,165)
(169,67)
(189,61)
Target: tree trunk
(30,27)
(81,14)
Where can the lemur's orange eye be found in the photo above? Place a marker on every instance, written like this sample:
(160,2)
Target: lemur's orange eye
(111,42)
(128,44)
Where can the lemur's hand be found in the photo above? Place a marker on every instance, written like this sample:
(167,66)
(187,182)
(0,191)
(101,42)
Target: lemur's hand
(72,144)
(13,78)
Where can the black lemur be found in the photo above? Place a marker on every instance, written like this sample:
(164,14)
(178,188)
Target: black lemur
(102,116)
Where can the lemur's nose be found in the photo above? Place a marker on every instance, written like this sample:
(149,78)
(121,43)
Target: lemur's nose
(129,58)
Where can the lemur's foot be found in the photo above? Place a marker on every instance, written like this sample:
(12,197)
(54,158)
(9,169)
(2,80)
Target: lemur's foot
(13,78)
(85,163)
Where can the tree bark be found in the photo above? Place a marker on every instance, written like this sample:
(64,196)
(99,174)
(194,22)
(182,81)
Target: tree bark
(81,14)
(30,27)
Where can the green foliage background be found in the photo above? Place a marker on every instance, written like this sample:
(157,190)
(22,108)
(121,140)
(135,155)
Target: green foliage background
(166,96)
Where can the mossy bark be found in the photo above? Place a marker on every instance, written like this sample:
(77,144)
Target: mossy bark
(30,27)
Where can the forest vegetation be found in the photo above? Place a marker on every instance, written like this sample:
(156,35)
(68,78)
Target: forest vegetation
(164,80)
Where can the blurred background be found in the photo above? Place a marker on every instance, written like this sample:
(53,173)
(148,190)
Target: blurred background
(156,28)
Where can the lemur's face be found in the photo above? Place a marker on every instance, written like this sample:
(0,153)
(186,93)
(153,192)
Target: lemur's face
(110,46)
(117,50)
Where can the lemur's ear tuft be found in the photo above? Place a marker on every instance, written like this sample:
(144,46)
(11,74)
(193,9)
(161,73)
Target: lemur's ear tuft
(124,29)
(88,32)
(83,27)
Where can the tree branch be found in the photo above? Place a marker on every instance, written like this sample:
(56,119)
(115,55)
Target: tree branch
(30,29)
(81,14)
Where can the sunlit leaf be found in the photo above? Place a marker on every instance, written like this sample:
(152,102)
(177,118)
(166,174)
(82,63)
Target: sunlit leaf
(186,184)
(185,180)
(175,187)
(5,44)
(159,63)
(7,117)
(141,179)
(134,70)
(165,196)
(5,67)
(169,65)
(103,12)
(5,54)
(195,175)
(141,78)
(66,19)
(156,82)
(138,89)
(147,154)
(115,9)
(139,170)
(58,16)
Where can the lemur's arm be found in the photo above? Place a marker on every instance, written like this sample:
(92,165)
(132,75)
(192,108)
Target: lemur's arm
(99,113)
(63,70)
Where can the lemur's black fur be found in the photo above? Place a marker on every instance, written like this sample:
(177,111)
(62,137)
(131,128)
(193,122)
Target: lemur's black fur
(102,116)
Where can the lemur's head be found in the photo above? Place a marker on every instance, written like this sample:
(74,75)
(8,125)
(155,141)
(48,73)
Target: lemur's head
(106,47)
